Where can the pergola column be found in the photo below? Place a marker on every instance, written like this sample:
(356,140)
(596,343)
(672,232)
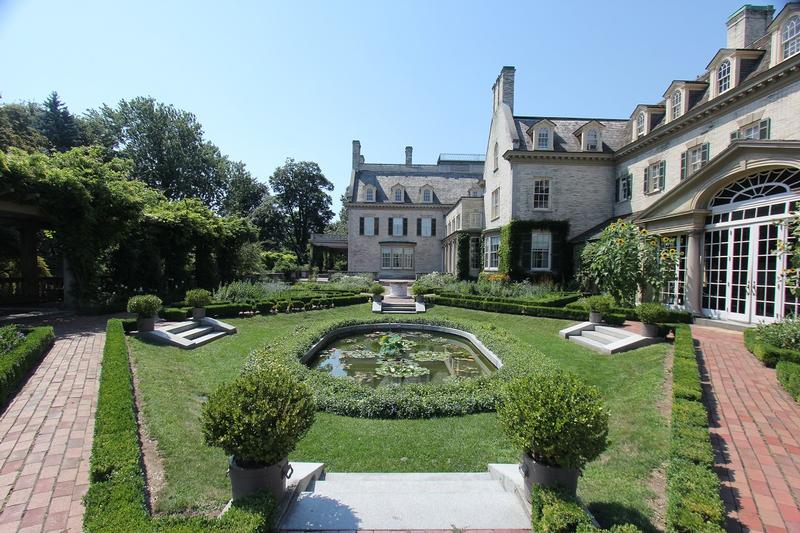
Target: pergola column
(28,263)
(694,271)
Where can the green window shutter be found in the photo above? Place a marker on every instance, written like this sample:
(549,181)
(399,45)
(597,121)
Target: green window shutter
(525,252)
(433,227)
(684,170)
(629,192)
(419,227)
(391,226)
(763,129)
(705,152)
(646,180)
(662,176)
(405,226)
(361,225)
(376,225)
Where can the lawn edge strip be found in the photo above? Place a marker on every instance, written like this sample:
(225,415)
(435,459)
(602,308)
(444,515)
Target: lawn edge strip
(116,499)
(693,488)
(16,364)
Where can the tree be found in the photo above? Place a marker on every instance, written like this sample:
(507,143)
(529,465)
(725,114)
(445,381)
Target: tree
(18,128)
(166,147)
(301,195)
(59,125)
(270,223)
(243,193)
(339,227)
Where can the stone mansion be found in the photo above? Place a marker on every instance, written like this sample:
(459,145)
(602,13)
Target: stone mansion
(715,163)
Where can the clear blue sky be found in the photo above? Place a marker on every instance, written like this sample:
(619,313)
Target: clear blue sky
(302,79)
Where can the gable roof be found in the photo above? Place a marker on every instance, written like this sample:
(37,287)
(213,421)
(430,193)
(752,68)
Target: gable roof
(616,133)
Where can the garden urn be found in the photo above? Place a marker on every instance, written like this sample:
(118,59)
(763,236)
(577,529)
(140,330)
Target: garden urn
(247,481)
(651,330)
(198,313)
(146,323)
(595,317)
(535,473)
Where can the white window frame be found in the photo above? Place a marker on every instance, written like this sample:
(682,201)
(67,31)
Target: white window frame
(427,195)
(549,251)
(369,193)
(724,77)
(640,124)
(397,257)
(540,199)
(369,226)
(496,157)
(495,206)
(624,187)
(677,104)
(655,178)
(427,226)
(790,37)
(476,220)
(398,191)
(492,252)
(543,138)
(397,222)
(592,141)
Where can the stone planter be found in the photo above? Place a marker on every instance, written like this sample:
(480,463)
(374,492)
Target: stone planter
(534,473)
(146,323)
(651,330)
(246,481)
(595,317)
(198,313)
(419,298)
(377,298)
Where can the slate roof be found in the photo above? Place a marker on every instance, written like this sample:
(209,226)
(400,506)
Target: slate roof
(448,187)
(616,134)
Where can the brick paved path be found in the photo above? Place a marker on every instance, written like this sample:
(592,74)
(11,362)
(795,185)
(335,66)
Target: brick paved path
(46,434)
(755,429)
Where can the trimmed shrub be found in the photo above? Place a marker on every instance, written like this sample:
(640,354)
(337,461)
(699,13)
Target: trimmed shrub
(693,501)
(128,324)
(174,314)
(314,302)
(10,337)
(555,417)
(25,354)
(554,512)
(768,353)
(629,313)
(281,306)
(686,413)
(259,417)
(341,301)
(652,313)
(265,307)
(198,298)
(228,310)
(324,302)
(308,307)
(116,497)
(376,289)
(498,306)
(789,377)
(783,334)
(600,303)
(297,305)
(144,305)
(686,380)
(692,444)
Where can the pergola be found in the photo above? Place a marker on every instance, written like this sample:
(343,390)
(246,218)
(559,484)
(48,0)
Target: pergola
(326,248)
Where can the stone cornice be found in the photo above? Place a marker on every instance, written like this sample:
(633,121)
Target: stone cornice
(521,155)
(395,206)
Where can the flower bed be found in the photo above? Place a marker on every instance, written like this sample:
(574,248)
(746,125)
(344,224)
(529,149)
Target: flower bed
(768,353)
(789,377)
(23,355)
(116,498)
(419,400)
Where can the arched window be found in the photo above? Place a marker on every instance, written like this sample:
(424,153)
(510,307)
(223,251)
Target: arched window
(496,155)
(640,124)
(763,184)
(790,36)
(724,77)
(543,139)
(592,144)
(677,104)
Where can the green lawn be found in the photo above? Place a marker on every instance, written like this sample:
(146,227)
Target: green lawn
(173,384)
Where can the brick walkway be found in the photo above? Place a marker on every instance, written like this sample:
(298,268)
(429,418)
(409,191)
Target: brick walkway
(46,434)
(755,430)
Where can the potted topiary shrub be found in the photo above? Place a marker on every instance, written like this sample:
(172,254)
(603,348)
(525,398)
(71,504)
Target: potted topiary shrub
(377,291)
(651,315)
(146,306)
(257,419)
(198,299)
(599,306)
(418,290)
(559,422)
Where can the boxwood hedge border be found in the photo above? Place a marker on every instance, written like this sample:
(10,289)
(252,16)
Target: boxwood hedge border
(16,364)
(419,400)
(116,499)
(767,353)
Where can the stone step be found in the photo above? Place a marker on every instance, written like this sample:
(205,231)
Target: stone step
(616,332)
(178,327)
(600,337)
(199,341)
(196,332)
(406,476)
(410,486)
(590,343)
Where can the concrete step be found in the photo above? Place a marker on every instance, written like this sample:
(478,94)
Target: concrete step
(602,338)
(616,332)
(329,488)
(195,332)
(590,343)
(205,339)
(178,327)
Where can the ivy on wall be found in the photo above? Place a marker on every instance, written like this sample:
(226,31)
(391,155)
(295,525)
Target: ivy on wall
(515,247)
(462,251)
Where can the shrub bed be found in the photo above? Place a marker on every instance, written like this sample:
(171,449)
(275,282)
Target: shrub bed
(672,316)
(767,353)
(116,498)
(693,499)
(174,314)
(24,355)
(789,377)
(418,400)
(555,512)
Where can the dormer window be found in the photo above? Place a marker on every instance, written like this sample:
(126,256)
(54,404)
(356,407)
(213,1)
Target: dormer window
(543,139)
(790,37)
(427,195)
(592,143)
(474,192)
(677,104)
(724,76)
(640,121)
(369,193)
(398,194)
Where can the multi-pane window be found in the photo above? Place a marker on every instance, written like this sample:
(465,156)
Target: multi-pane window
(592,144)
(427,196)
(397,257)
(755,130)
(398,195)
(369,226)
(541,193)
(369,194)
(624,189)
(475,253)
(790,36)
(540,251)
(495,203)
(724,77)
(492,245)
(474,192)
(475,220)
(694,159)
(496,155)
(674,292)
(426,227)
(397,226)
(543,139)
(655,177)
(677,104)
(640,124)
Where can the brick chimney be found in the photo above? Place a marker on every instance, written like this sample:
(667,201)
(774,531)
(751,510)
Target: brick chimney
(503,89)
(748,24)
(357,157)
(409,150)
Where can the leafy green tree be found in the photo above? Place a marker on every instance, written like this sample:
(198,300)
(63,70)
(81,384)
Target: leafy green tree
(339,226)
(302,198)
(59,125)
(18,128)
(244,193)
(270,222)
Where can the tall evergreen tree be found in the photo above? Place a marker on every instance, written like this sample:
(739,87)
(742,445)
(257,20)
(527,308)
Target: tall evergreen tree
(58,124)
(18,128)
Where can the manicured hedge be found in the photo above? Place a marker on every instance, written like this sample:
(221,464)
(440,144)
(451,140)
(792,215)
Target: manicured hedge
(16,364)
(789,377)
(554,512)
(416,400)
(550,300)
(693,499)
(673,316)
(228,310)
(116,497)
(767,353)
(174,314)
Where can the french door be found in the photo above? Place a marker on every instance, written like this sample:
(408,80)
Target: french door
(743,280)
